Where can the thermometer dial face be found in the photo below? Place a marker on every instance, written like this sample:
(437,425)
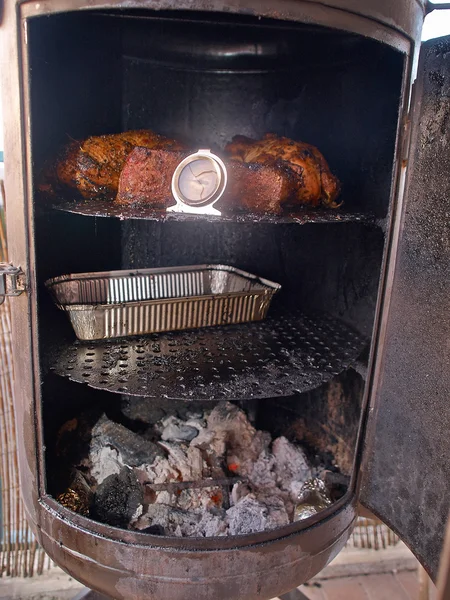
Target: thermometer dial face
(198,181)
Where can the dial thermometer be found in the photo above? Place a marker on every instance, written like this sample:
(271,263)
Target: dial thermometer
(197,183)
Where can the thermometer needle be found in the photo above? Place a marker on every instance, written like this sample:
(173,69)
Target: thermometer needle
(199,181)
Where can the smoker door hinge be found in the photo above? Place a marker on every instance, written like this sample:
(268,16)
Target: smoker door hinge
(12,281)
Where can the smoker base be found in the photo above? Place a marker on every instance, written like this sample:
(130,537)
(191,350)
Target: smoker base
(125,564)
(294,595)
(90,595)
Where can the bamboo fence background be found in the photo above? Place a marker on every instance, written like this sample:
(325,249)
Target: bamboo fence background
(372,534)
(20,554)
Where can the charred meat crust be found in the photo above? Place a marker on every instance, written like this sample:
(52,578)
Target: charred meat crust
(270,175)
(147,175)
(93,167)
(252,187)
(312,183)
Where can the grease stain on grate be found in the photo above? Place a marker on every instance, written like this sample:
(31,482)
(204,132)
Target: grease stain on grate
(281,356)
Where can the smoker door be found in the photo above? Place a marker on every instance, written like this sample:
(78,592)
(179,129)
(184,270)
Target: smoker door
(405,477)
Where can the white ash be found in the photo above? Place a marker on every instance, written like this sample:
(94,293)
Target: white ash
(187,460)
(291,464)
(262,473)
(252,513)
(212,525)
(238,491)
(113,446)
(160,471)
(176,430)
(174,520)
(105,461)
(212,441)
(196,422)
(182,523)
(218,444)
(230,418)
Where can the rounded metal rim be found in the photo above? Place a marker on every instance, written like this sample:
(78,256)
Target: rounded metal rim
(196,544)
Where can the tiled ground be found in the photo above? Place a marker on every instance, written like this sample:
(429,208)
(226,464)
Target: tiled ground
(386,586)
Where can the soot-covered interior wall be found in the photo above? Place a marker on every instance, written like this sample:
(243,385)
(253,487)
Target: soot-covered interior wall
(327,267)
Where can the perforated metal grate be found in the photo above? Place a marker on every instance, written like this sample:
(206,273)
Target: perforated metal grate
(280,356)
(106,208)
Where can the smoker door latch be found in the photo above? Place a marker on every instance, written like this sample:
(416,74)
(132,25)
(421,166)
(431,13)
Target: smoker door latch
(12,281)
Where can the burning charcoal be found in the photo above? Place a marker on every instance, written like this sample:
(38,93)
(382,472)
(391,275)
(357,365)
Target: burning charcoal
(211,474)
(230,431)
(241,459)
(312,499)
(195,498)
(118,499)
(176,430)
(184,463)
(134,449)
(250,515)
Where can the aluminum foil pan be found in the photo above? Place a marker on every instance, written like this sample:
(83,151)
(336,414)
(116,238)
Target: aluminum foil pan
(121,303)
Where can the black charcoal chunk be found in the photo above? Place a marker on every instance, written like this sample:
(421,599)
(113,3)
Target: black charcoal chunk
(148,413)
(154,530)
(134,448)
(118,499)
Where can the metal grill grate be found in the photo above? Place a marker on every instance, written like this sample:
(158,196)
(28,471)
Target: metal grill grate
(106,208)
(283,355)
